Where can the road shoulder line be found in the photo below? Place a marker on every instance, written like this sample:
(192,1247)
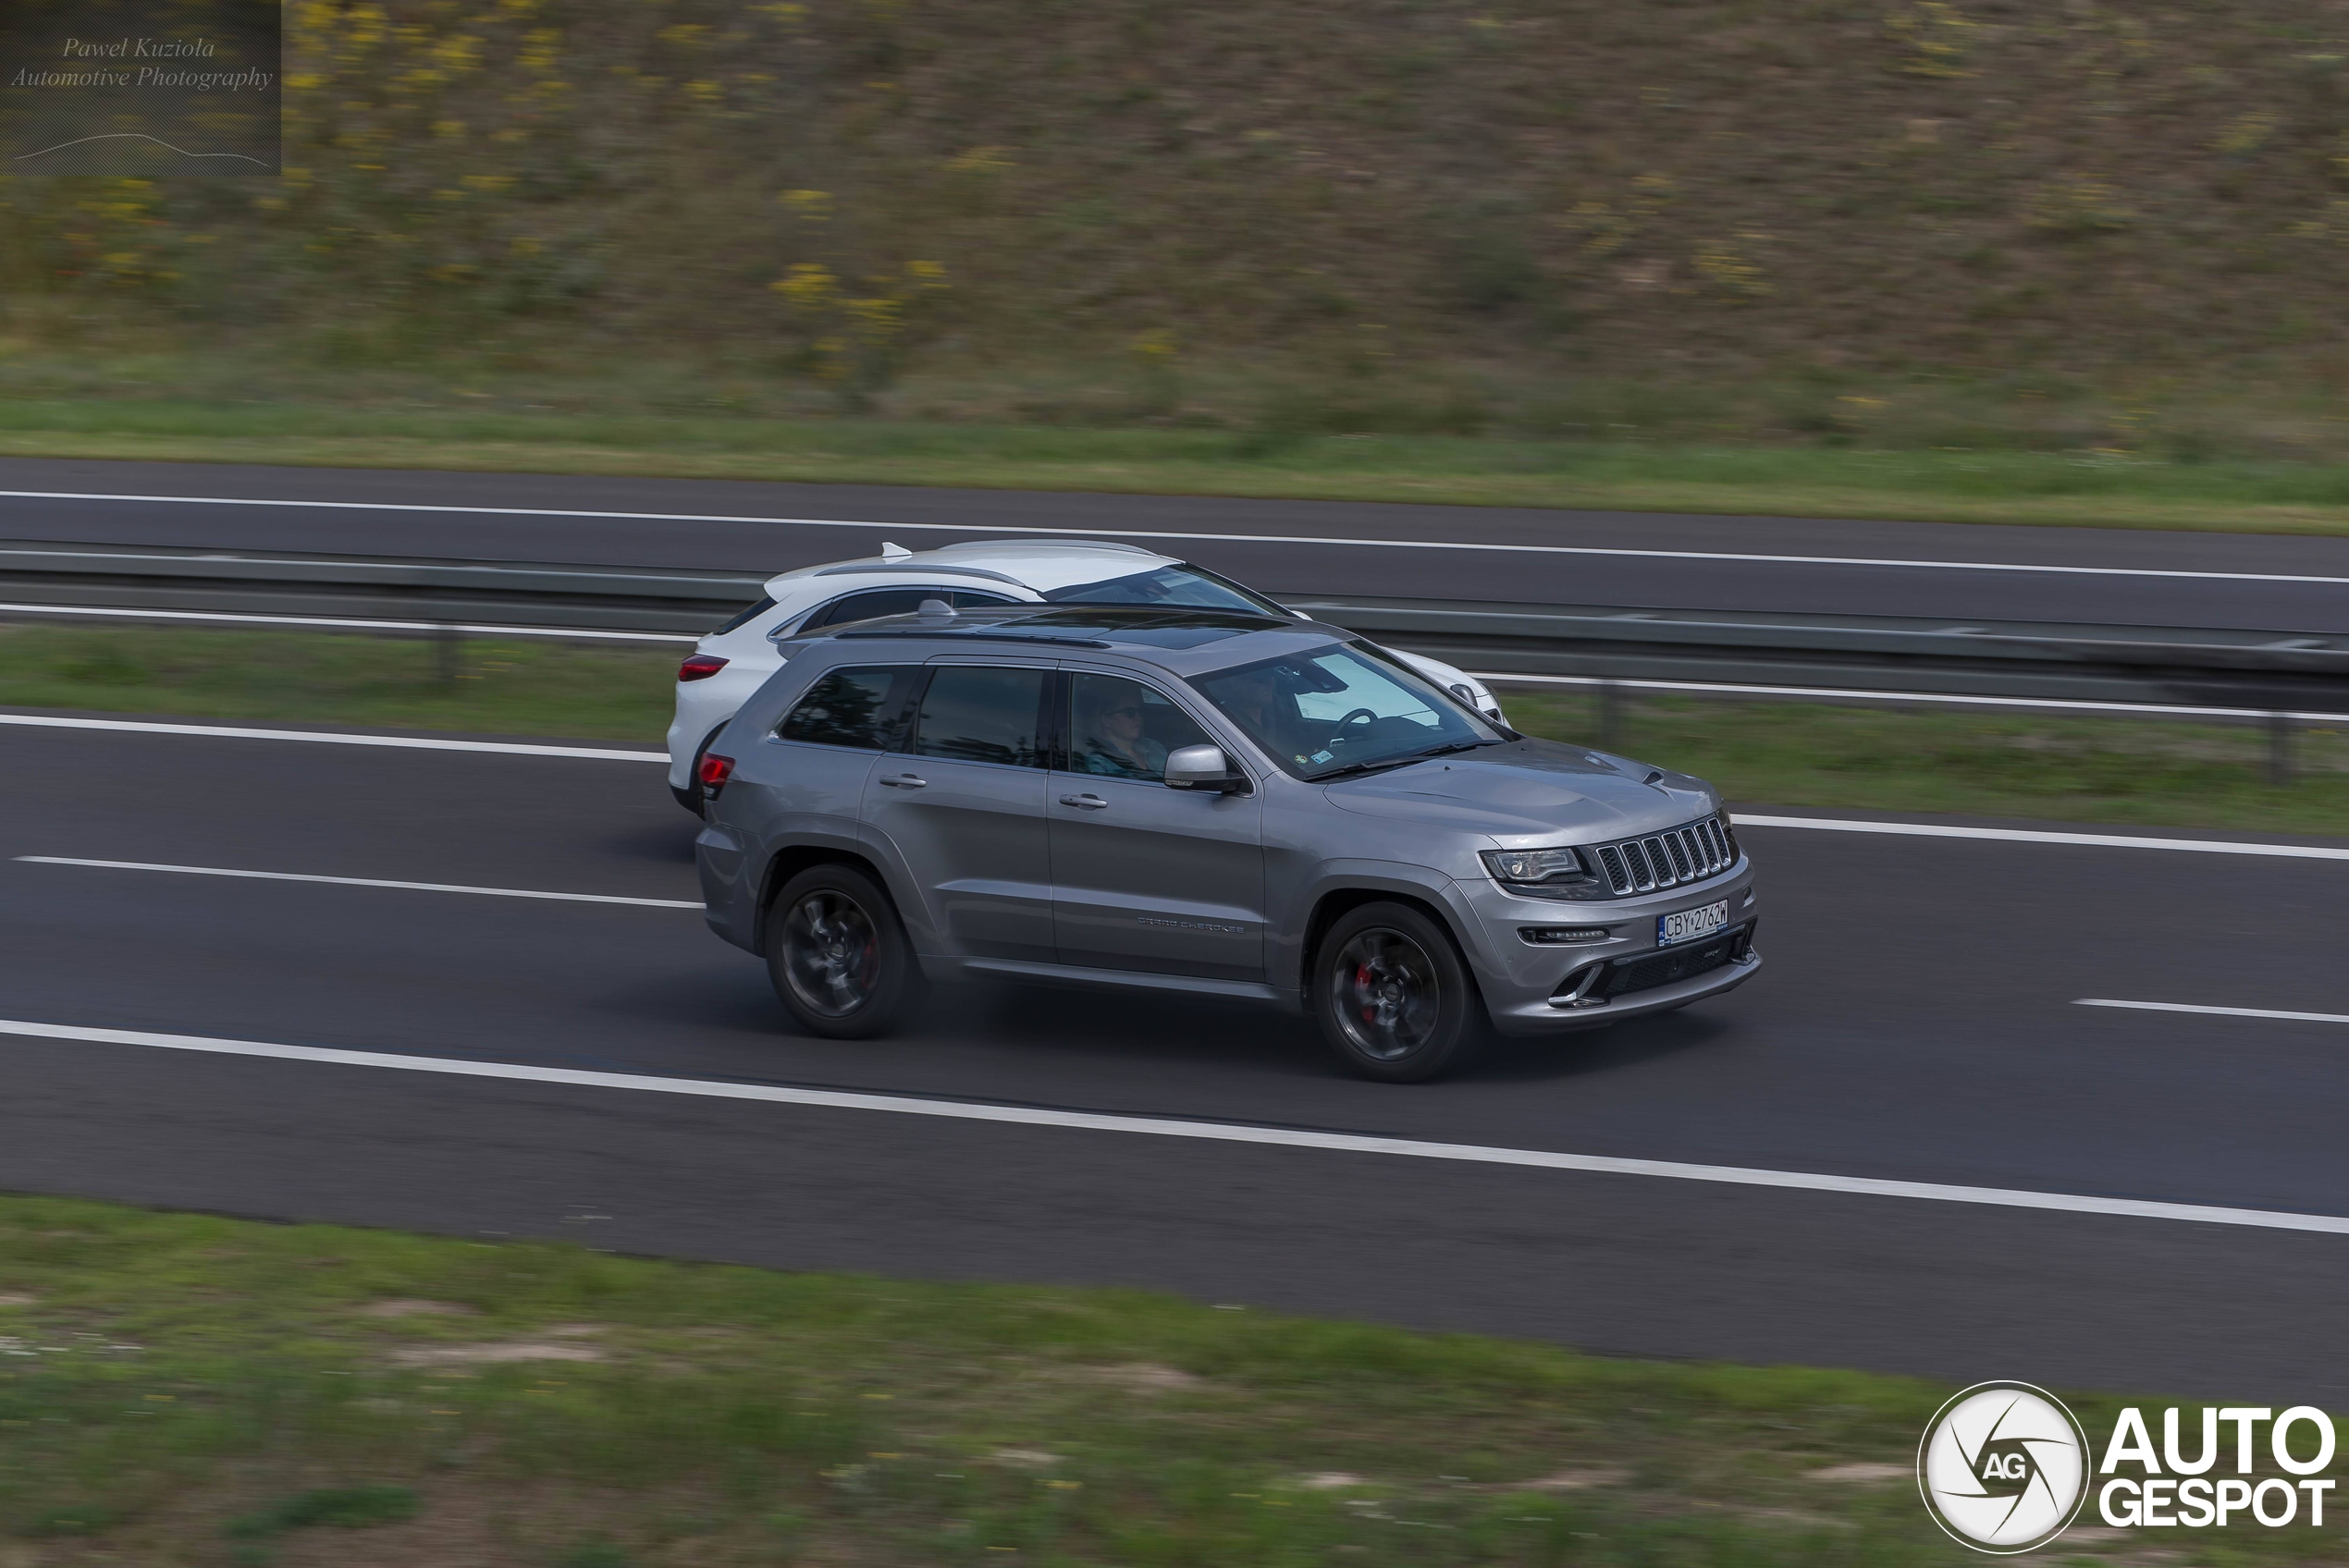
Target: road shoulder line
(359,882)
(331,737)
(348,623)
(1489,546)
(2216,1012)
(1228,1133)
(2039,836)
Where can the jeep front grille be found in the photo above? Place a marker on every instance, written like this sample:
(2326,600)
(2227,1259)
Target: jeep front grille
(1669,859)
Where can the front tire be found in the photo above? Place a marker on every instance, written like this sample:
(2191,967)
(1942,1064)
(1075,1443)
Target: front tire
(839,956)
(1394,997)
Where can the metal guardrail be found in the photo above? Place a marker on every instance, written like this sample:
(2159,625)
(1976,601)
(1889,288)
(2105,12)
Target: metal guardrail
(520,594)
(2189,667)
(2263,670)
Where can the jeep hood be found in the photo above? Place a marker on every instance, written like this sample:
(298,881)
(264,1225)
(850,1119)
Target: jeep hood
(1528,792)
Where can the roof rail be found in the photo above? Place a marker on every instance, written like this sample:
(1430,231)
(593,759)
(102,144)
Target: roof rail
(1017,543)
(863,568)
(960,635)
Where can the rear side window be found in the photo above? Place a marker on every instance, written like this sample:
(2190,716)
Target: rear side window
(851,707)
(761,608)
(978,713)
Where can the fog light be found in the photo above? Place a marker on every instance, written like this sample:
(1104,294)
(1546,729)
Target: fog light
(1551,936)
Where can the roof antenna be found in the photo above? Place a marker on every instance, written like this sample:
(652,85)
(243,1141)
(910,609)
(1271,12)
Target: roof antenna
(935,609)
(894,551)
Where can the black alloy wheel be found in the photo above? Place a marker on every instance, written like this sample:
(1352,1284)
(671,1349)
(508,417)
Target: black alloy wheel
(1394,997)
(837,955)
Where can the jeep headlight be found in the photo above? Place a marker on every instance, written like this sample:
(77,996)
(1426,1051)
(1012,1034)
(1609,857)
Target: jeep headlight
(1538,868)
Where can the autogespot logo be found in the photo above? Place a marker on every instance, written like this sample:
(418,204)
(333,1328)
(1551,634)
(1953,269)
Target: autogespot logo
(2003,1468)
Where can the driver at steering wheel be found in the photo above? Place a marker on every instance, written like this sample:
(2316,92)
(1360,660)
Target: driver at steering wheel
(1268,712)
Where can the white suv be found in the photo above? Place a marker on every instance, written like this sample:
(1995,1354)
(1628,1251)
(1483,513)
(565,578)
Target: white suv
(733,661)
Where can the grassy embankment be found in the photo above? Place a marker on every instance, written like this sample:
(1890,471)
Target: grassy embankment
(188,1390)
(1909,259)
(1761,753)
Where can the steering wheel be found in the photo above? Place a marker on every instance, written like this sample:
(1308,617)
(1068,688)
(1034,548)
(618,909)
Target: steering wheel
(1337,731)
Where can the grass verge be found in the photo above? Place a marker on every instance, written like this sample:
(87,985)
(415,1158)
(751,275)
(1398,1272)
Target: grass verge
(1933,760)
(189,1390)
(2082,489)
(2111,770)
(516,686)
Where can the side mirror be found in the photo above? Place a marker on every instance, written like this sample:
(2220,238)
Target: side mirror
(1203,767)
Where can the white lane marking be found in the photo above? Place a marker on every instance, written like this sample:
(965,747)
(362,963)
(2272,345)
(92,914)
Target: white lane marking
(362,882)
(1171,533)
(1213,1132)
(1820,823)
(2221,1012)
(565,631)
(1949,698)
(406,742)
(486,569)
(2028,836)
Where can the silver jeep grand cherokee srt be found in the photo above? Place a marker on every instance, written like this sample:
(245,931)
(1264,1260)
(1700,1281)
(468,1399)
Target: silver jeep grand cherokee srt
(1209,803)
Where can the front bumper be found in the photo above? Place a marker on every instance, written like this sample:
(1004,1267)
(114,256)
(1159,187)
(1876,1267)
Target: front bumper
(1540,988)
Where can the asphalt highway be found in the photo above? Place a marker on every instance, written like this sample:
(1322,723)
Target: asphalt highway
(1917,1021)
(2114,576)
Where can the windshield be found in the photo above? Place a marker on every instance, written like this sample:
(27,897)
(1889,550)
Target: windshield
(1342,710)
(1176,584)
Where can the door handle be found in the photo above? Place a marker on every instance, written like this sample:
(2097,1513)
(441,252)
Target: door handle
(907,781)
(1085,803)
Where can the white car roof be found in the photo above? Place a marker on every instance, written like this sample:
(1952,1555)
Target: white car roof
(1038,564)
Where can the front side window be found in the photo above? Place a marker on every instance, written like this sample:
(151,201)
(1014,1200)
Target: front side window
(851,707)
(981,712)
(1340,710)
(1124,729)
(1169,585)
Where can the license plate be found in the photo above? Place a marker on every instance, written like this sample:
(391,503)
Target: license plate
(1691,923)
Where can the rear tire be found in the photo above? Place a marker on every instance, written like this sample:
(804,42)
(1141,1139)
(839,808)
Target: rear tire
(839,956)
(1394,997)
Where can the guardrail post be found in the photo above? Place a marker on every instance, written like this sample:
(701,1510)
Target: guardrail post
(1610,716)
(2279,747)
(449,648)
